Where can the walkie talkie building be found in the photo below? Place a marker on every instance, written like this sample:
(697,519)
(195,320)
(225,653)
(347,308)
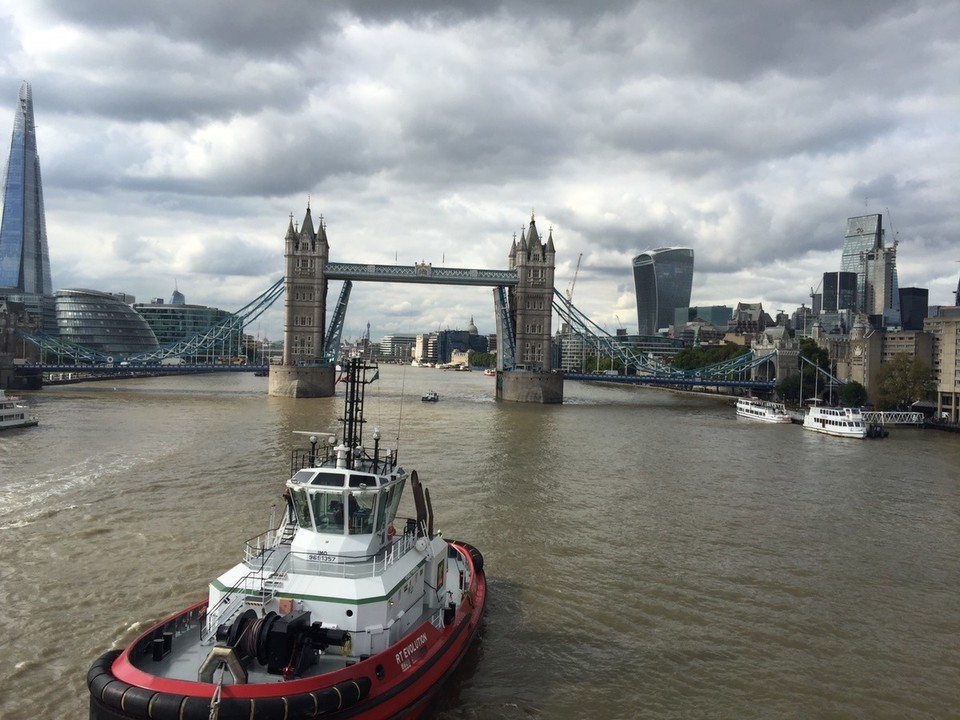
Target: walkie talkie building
(664,280)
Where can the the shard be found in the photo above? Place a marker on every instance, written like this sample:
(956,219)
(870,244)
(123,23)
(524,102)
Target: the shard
(24,256)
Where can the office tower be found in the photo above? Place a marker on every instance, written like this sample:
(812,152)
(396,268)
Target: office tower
(913,307)
(864,235)
(663,279)
(24,257)
(839,291)
(882,293)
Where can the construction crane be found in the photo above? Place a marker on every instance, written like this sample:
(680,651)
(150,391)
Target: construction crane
(573,283)
(814,291)
(569,293)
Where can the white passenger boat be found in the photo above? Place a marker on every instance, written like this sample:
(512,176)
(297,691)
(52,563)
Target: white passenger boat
(13,413)
(343,611)
(430,396)
(763,410)
(837,421)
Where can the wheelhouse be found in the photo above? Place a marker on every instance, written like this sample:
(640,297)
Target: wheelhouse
(345,502)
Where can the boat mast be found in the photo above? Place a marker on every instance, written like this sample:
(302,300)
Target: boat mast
(352,419)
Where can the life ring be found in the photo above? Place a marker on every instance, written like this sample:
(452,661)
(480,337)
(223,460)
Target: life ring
(391,531)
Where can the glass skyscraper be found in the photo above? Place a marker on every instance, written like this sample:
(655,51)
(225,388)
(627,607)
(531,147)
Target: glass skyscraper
(24,256)
(664,280)
(864,235)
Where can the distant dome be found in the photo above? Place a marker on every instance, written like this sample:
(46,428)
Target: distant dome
(471,328)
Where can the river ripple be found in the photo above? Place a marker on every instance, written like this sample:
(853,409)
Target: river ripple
(649,555)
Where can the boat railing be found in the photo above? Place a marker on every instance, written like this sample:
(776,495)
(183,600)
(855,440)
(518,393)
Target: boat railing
(232,600)
(266,562)
(340,566)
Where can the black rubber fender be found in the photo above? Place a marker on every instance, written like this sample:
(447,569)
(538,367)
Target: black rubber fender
(166,706)
(102,665)
(112,693)
(477,557)
(113,699)
(475,554)
(136,701)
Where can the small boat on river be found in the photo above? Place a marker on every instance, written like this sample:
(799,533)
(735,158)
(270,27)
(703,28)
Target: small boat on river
(763,410)
(14,414)
(343,610)
(837,421)
(430,396)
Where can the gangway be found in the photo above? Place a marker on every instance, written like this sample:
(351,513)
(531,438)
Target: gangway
(893,418)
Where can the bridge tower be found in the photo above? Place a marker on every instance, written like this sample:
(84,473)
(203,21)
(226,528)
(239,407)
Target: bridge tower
(531,311)
(304,372)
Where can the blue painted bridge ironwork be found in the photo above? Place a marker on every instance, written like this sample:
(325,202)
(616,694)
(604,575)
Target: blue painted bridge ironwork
(679,381)
(420,273)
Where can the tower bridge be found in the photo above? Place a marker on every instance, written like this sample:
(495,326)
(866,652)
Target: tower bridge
(522,295)
(525,301)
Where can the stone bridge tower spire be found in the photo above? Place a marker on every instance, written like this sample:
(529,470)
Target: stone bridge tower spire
(304,372)
(531,312)
(305,290)
(531,301)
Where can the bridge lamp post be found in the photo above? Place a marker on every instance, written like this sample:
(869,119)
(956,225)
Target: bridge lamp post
(313,451)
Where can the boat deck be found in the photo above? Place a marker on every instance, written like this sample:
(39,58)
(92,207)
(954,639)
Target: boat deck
(187,654)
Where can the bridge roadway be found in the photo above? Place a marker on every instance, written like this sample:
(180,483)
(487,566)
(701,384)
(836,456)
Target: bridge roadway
(672,381)
(117,369)
(138,368)
(420,273)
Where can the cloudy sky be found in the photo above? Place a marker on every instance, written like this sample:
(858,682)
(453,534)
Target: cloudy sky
(176,138)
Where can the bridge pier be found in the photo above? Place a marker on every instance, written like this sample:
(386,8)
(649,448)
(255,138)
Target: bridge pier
(530,386)
(299,381)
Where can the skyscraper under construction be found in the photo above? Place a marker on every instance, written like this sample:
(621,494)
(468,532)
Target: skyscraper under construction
(878,294)
(24,256)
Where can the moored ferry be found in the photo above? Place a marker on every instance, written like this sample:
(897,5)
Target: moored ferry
(763,410)
(13,413)
(341,611)
(838,421)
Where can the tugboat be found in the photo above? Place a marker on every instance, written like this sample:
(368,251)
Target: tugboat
(345,611)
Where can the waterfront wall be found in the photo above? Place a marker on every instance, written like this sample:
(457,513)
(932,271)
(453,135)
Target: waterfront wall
(301,382)
(529,386)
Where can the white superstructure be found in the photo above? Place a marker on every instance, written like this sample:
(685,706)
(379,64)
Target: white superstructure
(762,410)
(841,422)
(13,414)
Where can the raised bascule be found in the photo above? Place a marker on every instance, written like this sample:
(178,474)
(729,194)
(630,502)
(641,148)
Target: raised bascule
(523,300)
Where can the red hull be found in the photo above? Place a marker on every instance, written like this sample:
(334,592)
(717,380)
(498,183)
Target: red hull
(395,683)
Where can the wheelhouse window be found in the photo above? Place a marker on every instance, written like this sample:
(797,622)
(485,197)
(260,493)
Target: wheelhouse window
(328,510)
(362,506)
(301,507)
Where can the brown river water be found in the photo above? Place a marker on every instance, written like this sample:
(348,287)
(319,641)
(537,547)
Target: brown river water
(649,555)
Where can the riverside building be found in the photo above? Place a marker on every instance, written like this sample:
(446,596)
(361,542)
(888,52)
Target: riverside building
(102,321)
(177,321)
(945,329)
